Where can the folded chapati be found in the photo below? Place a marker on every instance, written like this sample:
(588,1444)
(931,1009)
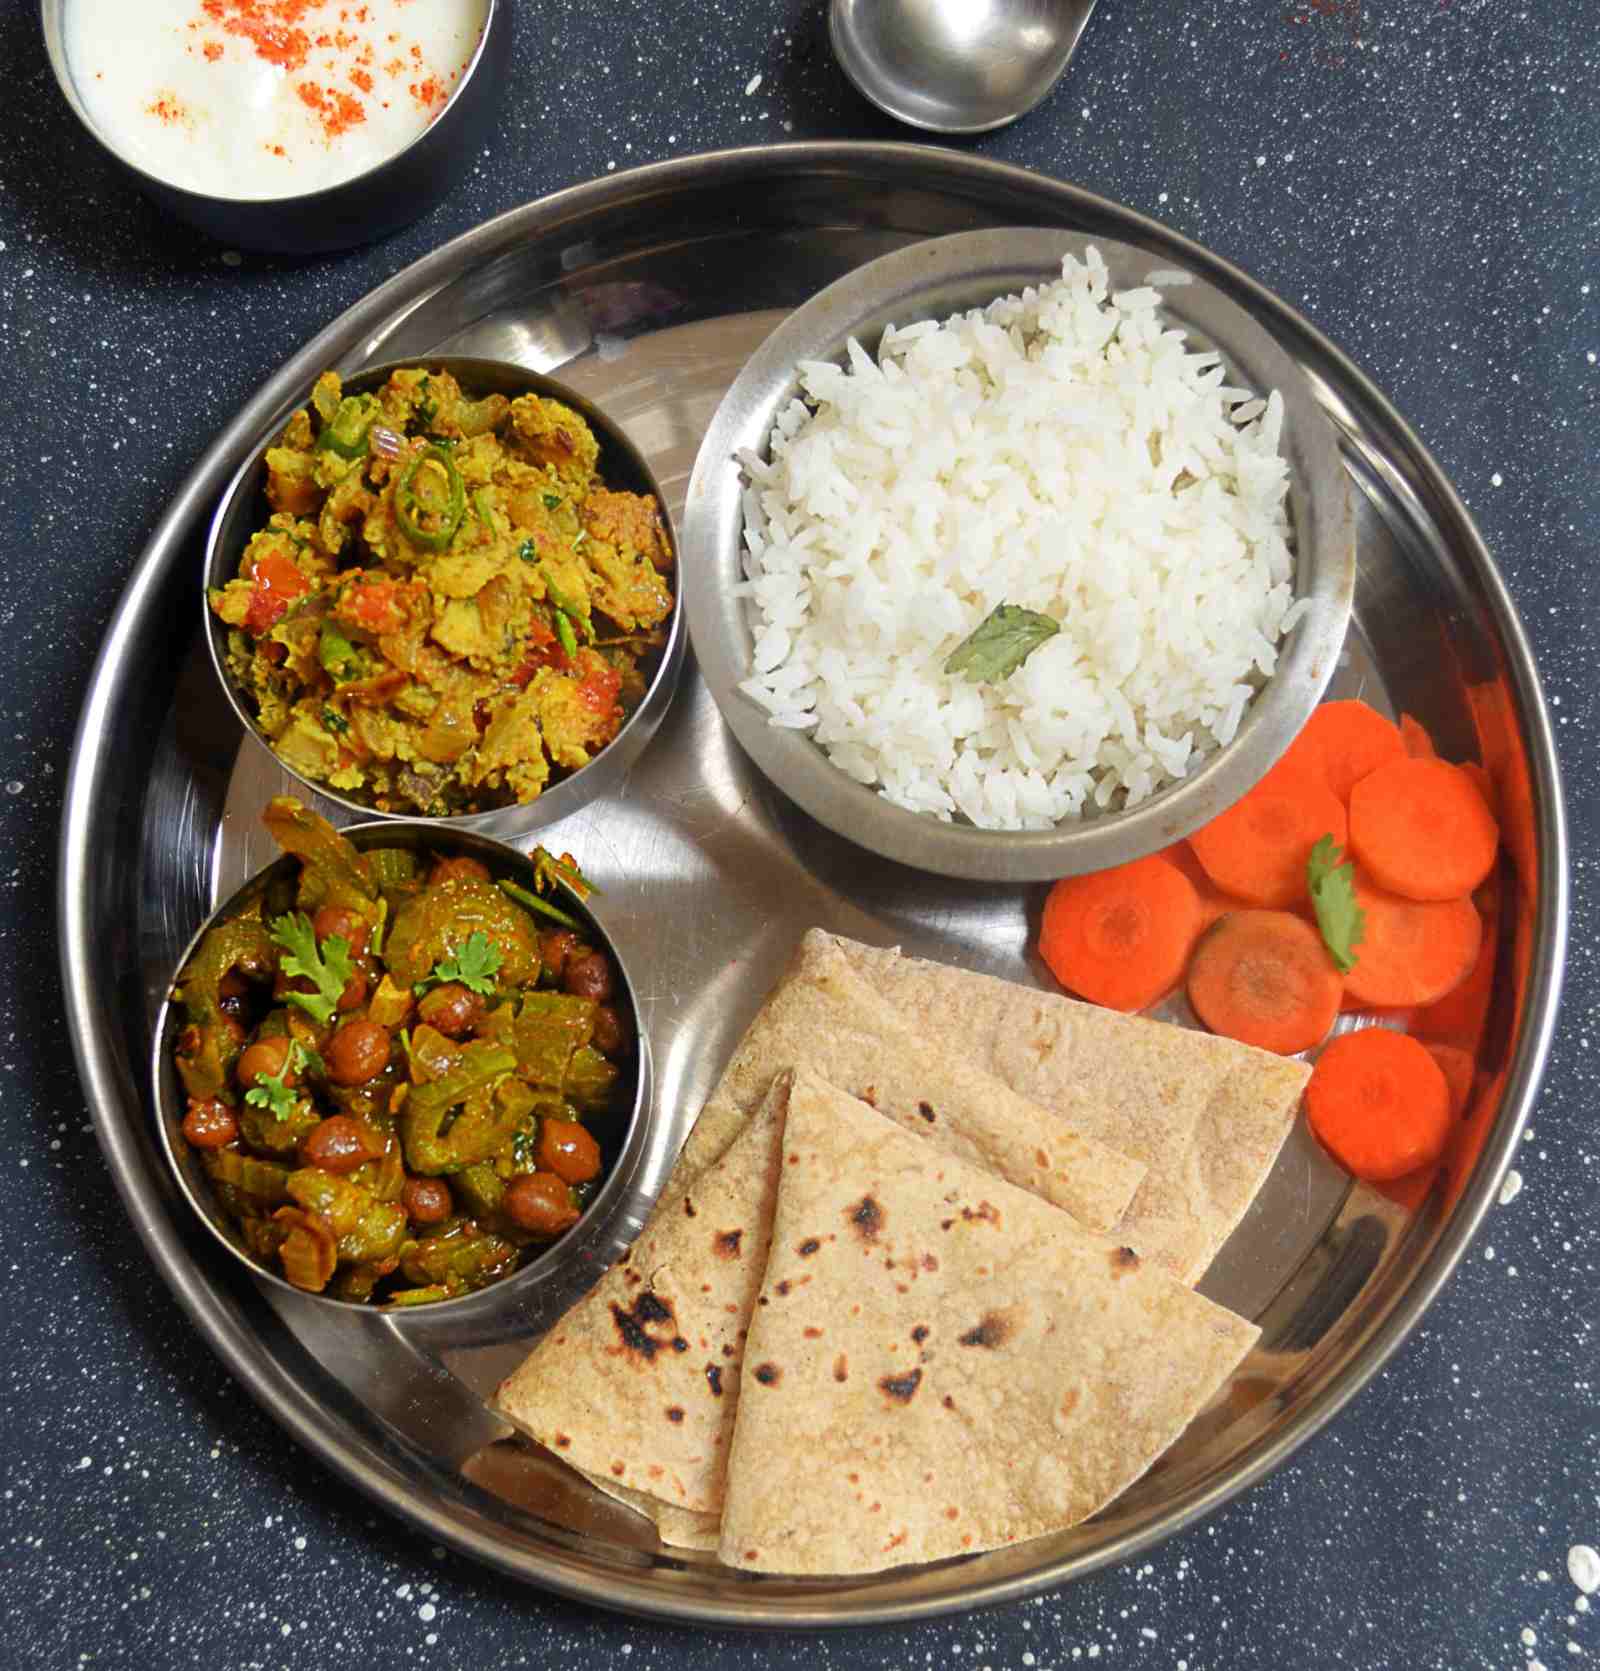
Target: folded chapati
(1206,1116)
(940,1363)
(636,1385)
(823,1014)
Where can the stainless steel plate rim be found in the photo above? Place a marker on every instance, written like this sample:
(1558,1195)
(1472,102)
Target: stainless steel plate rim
(930,280)
(112,1090)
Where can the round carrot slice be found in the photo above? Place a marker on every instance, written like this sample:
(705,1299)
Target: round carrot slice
(1351,740)
(1421,829)
(1411,952)
(1265,978)
(1257,850)
(1120,937)
(1379,1104)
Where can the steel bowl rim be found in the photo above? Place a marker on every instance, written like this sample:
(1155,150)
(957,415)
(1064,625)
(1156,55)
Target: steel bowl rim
(561,798)
(714,525)
(301,202)
(109,1087)
(375,833)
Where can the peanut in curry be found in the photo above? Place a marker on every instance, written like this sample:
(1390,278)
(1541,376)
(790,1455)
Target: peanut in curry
(448,609)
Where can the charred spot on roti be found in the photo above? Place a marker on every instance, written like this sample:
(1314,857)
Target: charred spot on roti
(925,1109)
(901,1388)
(811,1333)
(726,1243)
(870,1096)
(985,1213)
(808,1247)
(952,1513)
(783,1288)
(632,1278)
(1123,1259)
(688,1207)
(633,1326)
(866,1218)
(563,1440)
(768,1374)
(841,1368)
(619,1469)
(714,1379)
(727,1351)
(679,1344)
(920,1333)
(894,1542)
(929,1263)
(674,1412)
(1042,1158)
(993,1329)
(1070,1403)
(948,1402)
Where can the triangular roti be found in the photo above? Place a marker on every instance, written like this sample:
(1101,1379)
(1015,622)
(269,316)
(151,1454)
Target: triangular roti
(824,1014)
(637,1383)
(940,1363)
(1207,1116)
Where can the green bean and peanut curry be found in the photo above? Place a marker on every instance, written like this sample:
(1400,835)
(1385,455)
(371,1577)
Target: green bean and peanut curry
(392,1063)
(448,609)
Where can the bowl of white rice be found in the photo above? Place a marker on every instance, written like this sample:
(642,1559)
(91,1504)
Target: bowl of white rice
(1021,554)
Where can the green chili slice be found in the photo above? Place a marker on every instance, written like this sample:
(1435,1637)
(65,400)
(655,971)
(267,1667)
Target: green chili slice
(569,639)
(430,499)
(345,433)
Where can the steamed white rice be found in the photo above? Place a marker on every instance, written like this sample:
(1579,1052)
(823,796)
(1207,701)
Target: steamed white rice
(1061,450)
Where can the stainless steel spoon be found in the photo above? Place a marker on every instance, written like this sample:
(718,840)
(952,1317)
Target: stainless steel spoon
(956,66)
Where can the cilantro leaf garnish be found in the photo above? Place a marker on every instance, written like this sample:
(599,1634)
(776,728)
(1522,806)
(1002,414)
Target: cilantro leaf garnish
(271,1091)
(474,962)
(1002,641)
(1331,878)
(328,968)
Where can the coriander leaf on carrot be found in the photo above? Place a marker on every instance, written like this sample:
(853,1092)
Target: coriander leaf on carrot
(1330,879)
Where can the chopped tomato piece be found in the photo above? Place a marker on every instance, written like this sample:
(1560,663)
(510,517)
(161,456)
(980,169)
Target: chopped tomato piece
(277,583)
(374,605)
(598,688)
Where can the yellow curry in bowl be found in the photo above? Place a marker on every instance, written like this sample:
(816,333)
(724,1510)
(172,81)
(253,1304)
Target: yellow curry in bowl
(448,609)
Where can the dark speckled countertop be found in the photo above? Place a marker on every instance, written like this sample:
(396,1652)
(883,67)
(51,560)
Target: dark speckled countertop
(1421,177)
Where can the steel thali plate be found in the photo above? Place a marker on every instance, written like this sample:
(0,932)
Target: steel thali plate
(648,291)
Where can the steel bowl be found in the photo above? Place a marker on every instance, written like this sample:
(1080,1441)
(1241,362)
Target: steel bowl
(243,510)
(355,211)
(932,280)
(621,1138)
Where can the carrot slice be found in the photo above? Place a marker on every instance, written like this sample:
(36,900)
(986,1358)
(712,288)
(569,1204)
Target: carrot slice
(1459,1017)
(1121,937)
(1420,828)
(1352,740)
(1419,745)
(1379,1104)
(1459,1071)
(1257,849)
(1265,978)
(1412,952)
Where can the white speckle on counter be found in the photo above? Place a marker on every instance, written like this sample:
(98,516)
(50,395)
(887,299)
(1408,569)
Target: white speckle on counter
(1511,1188)
(1488,1253)
(751,85)
(1583,1567)
(1497,480)
(1529,1639)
